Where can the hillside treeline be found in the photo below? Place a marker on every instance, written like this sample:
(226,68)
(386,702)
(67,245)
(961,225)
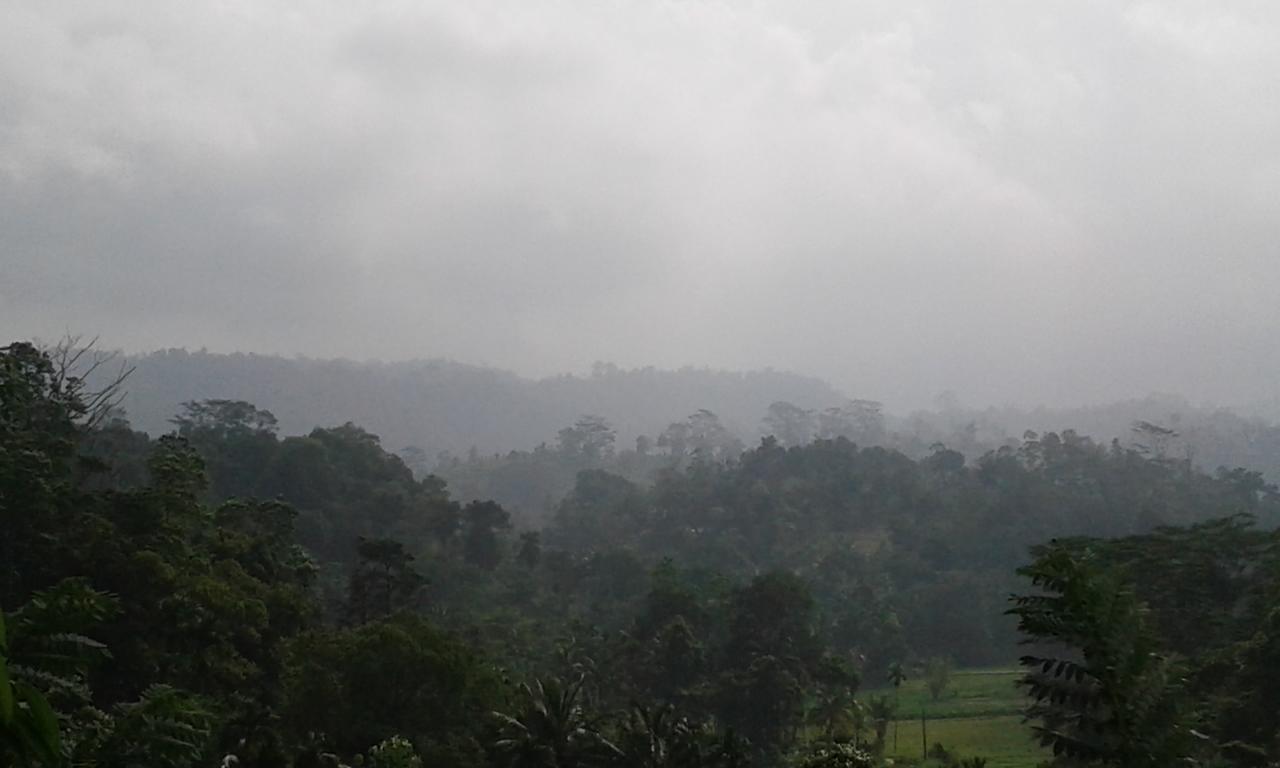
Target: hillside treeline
(440,405)
(223,590)
(441,415)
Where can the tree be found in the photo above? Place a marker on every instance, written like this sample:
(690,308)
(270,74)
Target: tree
(551,730)
(859,421)
(676,661)
(701,435)
(658,737)
(530,551)
(481,523)
(790,424)
(763,700)
(1152,440)
(236,439)
(223,419)
(773,615)
(897,675)
(45,660)
(937,675)
(383,580)
(41,416)
(590,440)
(28,725)
(1116,698)
(165,728)
(836,683)
(881,709)
(769,656)
(361,685)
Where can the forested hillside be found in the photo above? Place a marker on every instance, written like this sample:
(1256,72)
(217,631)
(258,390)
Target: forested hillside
(473,412)
(1207,435)
(300,600)
(439,405)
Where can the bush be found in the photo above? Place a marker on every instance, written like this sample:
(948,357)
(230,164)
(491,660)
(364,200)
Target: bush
(395,752)
(836,755)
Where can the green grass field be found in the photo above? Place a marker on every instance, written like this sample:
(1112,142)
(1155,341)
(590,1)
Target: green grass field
(978,715)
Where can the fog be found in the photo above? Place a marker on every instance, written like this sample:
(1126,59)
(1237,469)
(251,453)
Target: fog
(1016,202)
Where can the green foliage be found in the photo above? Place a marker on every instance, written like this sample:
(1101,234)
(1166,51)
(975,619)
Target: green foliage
(1211,592)
(551,729)
(770,656)
(530,552)
(29,730)
(949,759)
(660,738)
(896,674)
(590,439)
(482,524)
(937,675)
(971,693)
(881,709)
(39,414)
(48,647)
(361,685)
(165,728)
(835,684)
(383,581)
(836,755)
(394,752)
(1004,741)
(751,590)
(1116,699)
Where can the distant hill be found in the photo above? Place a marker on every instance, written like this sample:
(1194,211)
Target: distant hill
(440,405)
(1208,436)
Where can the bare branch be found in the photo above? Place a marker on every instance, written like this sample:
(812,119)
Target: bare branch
(75,363)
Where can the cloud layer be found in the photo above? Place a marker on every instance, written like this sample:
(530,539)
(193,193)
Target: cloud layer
(1021,202)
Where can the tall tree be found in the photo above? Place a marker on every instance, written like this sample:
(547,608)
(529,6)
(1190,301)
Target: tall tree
(1115,699)
(589,441)
(551,730)
(790,424)
(482,524)
(383,580)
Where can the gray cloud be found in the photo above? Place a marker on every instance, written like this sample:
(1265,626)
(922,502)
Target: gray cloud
(1020,202)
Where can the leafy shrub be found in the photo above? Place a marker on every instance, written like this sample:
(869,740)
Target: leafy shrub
(395,752)
(836,755)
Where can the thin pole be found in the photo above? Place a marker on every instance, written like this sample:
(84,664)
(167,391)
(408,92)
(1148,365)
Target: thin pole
(924,736)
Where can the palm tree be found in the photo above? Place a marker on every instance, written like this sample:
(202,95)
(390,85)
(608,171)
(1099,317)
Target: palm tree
(857,720)
(881,713)
(658,738)
(832,711)
(897,676)
(730,751)
(551,731)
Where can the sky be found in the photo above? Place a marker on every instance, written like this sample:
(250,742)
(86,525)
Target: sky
(1018,202)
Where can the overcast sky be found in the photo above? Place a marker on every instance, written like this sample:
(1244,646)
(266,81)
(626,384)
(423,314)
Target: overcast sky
(1021,202)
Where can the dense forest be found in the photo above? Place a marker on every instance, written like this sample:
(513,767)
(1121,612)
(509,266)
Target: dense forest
(223,593)
(436,407)
(441,405)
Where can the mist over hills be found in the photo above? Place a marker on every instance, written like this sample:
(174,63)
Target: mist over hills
(440,405)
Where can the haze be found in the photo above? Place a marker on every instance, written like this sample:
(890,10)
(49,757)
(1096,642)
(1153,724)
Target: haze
(1018,202)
